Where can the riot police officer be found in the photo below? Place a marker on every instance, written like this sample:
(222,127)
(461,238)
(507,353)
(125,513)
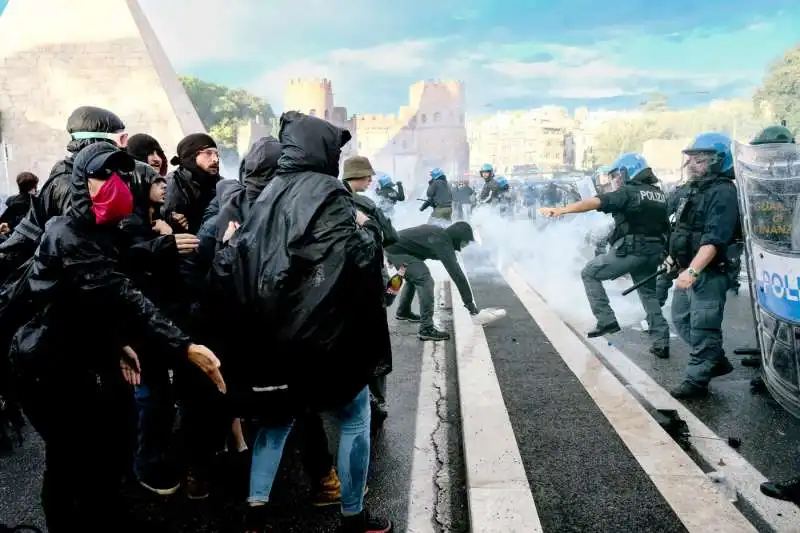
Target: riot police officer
(639,209)
(705,224)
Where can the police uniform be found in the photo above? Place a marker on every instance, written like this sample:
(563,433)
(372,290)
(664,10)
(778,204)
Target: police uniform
(639,209)
(709,214)
(664,281)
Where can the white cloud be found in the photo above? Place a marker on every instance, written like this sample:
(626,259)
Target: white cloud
(196,31)
(402,57)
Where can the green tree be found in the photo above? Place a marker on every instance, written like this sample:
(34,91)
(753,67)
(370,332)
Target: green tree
(222,109)
(779,95)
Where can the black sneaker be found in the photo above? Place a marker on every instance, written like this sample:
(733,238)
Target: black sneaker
(407,317)
(601,331)
(433,334)
(160,482)
(256,519)
(362,523)
(661,353)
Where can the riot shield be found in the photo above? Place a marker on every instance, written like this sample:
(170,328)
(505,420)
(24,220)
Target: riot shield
(768,179)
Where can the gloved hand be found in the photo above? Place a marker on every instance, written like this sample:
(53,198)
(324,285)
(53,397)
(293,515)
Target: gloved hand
(472,308)
(668,265)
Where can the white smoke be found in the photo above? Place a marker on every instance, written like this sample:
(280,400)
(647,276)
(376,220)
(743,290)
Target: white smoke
(550,255)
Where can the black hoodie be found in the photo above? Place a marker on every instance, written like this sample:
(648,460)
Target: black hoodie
(307,278)
(440,244)
(76,264)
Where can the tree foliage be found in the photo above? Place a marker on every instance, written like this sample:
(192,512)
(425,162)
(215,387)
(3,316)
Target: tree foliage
(628,134)
(222,110)
(779,95)
(777,99)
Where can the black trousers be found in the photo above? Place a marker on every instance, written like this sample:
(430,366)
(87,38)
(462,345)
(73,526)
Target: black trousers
(87,424)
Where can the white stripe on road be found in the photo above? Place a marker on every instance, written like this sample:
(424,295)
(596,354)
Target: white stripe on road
(425,503)
(695,499)
(499,495)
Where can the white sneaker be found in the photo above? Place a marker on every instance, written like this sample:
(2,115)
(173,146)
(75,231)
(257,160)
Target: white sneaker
(487,316)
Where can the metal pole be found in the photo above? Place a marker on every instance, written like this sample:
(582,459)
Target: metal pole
(4,151)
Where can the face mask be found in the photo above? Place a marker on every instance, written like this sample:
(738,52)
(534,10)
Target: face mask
(113,202)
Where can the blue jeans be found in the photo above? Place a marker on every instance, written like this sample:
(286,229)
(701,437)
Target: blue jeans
(353,457)
(155,402)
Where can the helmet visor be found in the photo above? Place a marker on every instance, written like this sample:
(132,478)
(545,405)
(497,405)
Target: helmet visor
(698,164)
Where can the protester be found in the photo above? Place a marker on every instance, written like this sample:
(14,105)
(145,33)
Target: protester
(77,260)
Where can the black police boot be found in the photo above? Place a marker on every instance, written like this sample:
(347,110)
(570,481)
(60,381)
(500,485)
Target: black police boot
(688,391)
(751,361)
(757,386)
(661,353)
(788,490)
(600,331)
(722,368)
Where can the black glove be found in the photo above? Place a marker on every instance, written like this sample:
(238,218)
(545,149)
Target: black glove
(472,308)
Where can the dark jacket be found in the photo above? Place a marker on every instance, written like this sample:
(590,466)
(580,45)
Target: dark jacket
(189,194)
(441,244)
(17,207)
(438,194)
(369,208)
(77,261)
(307,279)
(490,191)
(54,200)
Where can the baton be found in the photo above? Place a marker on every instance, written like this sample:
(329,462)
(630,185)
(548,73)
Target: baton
(638,284)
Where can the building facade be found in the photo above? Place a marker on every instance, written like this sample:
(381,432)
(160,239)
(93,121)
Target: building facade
(428,132)
(537,136)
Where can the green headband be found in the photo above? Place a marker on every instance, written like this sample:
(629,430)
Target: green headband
(83,135)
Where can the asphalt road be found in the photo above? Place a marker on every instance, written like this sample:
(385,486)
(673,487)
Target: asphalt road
(770,435)
(582,476)
(389,482)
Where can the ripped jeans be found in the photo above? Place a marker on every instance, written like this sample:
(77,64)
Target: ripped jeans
(353,457)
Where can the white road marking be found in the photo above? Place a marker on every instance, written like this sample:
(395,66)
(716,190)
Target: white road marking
(499,495)
(782,517)
(695,499)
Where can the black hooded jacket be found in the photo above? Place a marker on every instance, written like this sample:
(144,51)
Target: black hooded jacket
(189,191)
(256,170)
(17,207)
(76,261)
(307,278)
(440,244)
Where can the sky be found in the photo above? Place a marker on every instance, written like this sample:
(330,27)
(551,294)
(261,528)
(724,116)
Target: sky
(511,54)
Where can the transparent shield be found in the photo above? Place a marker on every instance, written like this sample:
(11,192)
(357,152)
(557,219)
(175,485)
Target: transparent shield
(768,180)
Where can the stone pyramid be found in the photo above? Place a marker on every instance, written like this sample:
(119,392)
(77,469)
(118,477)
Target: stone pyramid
(56,55)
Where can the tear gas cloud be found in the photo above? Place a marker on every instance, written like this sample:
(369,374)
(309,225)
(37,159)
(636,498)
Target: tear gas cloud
(549,254)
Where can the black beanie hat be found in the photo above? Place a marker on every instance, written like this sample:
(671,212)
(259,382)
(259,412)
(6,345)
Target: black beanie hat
(190,146)
(142,145)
